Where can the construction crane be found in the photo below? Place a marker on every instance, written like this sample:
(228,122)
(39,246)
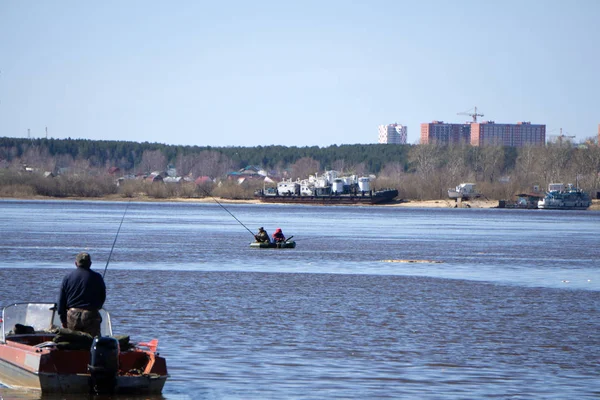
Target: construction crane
(560,138)
(473,114)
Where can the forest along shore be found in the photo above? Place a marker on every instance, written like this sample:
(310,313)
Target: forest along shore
(446,203)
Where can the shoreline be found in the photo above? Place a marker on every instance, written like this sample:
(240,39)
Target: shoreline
(449,203)
(445,203)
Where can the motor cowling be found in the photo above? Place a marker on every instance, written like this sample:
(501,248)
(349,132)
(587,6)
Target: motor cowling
(104,364)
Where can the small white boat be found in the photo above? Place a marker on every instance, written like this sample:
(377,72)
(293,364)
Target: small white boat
(464,191)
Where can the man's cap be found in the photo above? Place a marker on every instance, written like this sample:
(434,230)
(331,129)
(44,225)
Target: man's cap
(261,228)
(83,259)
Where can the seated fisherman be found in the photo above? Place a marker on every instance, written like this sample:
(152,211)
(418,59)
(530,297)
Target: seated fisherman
(278,236)
(262,236)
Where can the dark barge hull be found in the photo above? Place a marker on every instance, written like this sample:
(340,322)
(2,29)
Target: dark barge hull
(376,197)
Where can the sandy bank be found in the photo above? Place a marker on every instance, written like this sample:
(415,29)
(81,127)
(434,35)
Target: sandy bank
(446,204)
(475,203)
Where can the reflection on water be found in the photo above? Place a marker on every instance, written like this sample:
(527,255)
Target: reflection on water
(329,319)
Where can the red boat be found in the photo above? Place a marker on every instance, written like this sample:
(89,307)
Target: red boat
(35,353)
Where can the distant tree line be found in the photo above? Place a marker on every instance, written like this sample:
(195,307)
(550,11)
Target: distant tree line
(417,171)
(142,157)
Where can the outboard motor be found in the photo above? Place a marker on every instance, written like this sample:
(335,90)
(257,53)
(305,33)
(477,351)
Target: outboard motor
(104,364)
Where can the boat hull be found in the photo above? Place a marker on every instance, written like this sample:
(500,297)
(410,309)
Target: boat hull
(66,371)
(453,194)
(546,206)
(286,245)
(376,197)
(17,378)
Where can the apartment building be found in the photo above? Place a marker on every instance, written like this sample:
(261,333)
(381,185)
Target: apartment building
(521,134)
(438,132)
(392,134)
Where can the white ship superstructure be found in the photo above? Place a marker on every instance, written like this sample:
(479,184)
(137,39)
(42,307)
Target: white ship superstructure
(330,182)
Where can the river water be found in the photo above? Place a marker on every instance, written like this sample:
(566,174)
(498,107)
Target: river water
(503,303)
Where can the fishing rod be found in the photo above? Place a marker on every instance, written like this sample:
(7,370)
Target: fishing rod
(216,201)
(115,241)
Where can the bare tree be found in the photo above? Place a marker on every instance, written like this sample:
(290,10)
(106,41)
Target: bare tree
(211,163)
(38,157)
(339,165)
(425,160)
(153,160)
(304,167)
(62,161)
(392,171)
(456,169)
(360,169)
(525,165)
(554,162)
(493,162)
(391,176)
(185,163)
(586,163)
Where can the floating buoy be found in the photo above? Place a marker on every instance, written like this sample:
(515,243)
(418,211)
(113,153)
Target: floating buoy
(413,261)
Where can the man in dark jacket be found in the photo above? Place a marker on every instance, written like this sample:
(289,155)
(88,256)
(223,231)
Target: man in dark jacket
(262,236)
(82,295)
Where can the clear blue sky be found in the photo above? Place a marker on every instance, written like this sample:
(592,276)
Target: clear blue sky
(297,73)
